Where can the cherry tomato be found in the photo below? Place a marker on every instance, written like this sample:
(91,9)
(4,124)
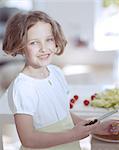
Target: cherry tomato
(71,105)
(72,100)
(86,102)
(76,97)
(93,97)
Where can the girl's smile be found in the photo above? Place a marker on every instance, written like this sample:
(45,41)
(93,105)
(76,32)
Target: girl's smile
(40,46)
(44,56)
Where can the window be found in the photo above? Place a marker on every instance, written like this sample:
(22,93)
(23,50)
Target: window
(106,32)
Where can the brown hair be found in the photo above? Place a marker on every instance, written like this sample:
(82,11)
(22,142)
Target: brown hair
(16,32)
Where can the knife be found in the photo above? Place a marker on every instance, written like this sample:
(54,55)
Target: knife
(102,117)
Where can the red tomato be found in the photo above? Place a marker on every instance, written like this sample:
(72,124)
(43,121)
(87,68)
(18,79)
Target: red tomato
(93,97)
(71,105)
(72,100)
(76,97)
(86,102)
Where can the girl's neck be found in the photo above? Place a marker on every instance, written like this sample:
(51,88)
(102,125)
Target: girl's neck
(40,73)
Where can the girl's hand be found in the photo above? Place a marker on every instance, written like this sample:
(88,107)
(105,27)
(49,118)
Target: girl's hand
(81,131)
(114,127)
(108,128)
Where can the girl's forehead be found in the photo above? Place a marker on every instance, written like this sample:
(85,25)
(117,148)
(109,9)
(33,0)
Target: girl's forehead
(39,30)
(40,27)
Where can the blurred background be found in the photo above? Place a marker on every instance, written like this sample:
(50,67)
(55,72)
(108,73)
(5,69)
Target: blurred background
(92,30)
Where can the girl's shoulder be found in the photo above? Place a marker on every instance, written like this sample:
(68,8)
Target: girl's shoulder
(20,82)
(57,72)
(55,69)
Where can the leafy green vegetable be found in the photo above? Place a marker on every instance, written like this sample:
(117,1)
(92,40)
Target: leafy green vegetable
(107,99)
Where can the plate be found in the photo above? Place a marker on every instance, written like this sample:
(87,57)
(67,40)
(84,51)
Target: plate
(107,138)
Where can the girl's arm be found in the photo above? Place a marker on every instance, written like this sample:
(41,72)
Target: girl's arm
(32,138)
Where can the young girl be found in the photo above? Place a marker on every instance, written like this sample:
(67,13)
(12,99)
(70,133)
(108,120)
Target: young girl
(39,96)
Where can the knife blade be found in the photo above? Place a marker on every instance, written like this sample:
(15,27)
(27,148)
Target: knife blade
(107,114)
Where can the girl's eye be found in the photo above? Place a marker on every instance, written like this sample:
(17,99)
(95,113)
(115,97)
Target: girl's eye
(34,43)
(50,40)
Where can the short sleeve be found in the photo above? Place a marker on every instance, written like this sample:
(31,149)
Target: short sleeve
(22,99)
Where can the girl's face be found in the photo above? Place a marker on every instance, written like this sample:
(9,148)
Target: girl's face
(40,45)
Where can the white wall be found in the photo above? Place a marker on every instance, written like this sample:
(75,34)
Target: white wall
(75,16)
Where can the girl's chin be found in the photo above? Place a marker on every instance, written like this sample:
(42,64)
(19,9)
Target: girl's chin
(45,63)
(37,66)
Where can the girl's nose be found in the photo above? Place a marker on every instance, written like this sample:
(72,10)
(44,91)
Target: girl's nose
(43,48)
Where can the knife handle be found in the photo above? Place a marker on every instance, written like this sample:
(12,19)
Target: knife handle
(91,122)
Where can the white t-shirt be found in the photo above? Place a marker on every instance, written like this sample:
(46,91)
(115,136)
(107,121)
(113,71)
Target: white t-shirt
(47,100)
